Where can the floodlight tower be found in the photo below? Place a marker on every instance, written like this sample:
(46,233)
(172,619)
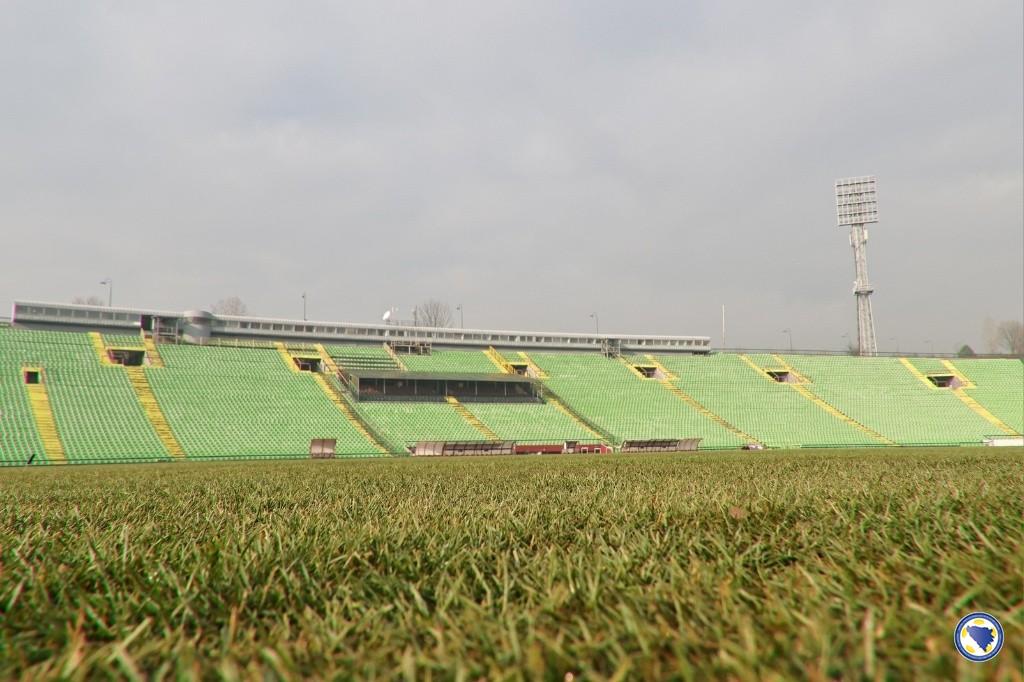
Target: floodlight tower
(856,206)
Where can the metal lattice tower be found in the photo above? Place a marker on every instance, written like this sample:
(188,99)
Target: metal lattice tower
(856,206)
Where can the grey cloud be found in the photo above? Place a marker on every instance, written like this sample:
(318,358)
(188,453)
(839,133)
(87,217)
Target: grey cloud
(534,162)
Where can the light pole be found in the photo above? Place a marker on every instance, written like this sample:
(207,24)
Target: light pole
(893,338)
(462,319)
(846,342)
(931,346)
(597,323)
(110,291)
(790,332)
(856,208)
(303,306)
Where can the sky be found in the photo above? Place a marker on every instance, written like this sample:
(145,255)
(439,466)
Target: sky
(535,162)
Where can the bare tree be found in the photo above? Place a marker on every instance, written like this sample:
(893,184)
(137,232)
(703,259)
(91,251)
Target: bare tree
(229,306)
(1010,337)
(88,300)
(434,313)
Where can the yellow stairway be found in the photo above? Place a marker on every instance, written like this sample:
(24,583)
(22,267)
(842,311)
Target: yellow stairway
(151,352)
(100,348)
(42,412)
(661,368)
(549,397)
(286,356)
(326,360)
(535,371)
(962,378)
(632,369)
(471,418)
(960,393)
(800,387)
(139,382)
(394,356)
(970,402)
(918,373)
(342,404)
(692,402)
(499,362)
(552,400)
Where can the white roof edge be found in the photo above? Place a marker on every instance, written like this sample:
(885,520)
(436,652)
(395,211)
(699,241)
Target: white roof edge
(116,309)
(371,325)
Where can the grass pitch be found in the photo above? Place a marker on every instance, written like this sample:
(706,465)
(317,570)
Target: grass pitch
(813,564)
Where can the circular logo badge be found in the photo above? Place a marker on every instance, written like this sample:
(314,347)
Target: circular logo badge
(978,636)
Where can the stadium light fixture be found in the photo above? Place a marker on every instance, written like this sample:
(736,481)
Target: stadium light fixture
(790,332)
(597,323)
(462,320)
(109,282)
(857,200)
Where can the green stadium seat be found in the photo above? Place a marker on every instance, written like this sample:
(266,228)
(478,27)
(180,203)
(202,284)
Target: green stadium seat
(236,402)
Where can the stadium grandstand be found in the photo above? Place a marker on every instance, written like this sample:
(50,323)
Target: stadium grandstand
(89,384)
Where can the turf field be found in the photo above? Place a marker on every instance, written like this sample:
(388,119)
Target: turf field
(812,564)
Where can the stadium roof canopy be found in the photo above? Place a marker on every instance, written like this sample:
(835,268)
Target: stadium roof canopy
(199,326)
(436,376)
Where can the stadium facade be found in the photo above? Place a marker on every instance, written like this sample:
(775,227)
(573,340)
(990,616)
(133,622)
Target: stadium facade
(98,384)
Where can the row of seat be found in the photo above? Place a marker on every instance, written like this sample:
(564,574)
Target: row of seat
(228,402)
(450,361)
(402,423)
(998,385)
(756,404)
(362,356)
(884,395)
(19,439)
(240,401)
(95,409)
(526,422)
(123,340)
(610,395)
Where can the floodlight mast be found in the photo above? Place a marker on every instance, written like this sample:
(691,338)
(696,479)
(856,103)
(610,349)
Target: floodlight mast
(856,206)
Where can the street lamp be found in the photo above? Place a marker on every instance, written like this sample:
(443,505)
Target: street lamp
(303,306)
(893,338)
(462,319)
(846,343)
(597,323)
(790,332)
(110,291)
(931,346)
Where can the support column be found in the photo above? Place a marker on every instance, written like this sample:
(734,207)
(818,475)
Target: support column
(862,290)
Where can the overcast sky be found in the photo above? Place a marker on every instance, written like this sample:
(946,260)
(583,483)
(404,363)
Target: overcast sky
(536,162)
